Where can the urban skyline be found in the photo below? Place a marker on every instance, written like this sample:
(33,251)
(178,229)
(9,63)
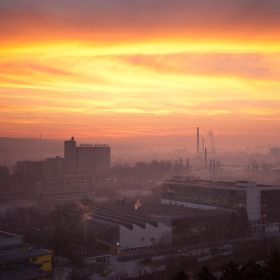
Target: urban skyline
(139,139)
(141,71)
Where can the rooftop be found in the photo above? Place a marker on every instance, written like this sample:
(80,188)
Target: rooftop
(7,238)
(148,213)
(192,181)
(22,254)
(23,272)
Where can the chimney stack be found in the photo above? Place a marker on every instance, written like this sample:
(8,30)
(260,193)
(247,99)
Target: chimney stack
(197,138)
(187,163)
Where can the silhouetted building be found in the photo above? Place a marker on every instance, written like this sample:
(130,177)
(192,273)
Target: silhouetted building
(53,166)
(92,159)
(102,158)
(86,159)
(275,151)
(70,156)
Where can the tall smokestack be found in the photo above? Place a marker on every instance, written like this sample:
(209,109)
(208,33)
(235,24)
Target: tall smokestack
(197,138)
(187,164)
(202,145)
(205,157)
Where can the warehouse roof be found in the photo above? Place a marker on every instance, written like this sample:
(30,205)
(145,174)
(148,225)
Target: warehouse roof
(23,272)
(148,213)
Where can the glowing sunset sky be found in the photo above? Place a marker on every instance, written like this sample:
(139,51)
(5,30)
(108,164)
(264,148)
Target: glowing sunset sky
(114,69)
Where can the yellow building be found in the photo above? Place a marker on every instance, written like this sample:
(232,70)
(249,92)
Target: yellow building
(21,262)
(42,257)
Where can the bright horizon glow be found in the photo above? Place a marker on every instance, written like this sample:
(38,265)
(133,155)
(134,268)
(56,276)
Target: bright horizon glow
(148,68)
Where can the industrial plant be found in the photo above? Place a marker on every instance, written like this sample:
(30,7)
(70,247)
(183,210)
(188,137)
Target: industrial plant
(86,159)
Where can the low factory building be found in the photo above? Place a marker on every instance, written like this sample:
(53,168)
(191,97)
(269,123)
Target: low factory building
(22,261)
(122,228)
(262,202)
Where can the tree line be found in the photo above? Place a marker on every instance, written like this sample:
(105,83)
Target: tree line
(251,270)
(64,229)
(154,170)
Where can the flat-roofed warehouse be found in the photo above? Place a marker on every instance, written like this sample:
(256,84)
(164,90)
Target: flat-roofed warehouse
(262,202)
(123,228)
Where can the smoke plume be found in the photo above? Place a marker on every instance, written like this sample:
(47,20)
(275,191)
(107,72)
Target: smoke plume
(138,203)
(210,133)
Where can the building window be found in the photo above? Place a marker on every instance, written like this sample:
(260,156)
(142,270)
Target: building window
(152,239)
(34,259)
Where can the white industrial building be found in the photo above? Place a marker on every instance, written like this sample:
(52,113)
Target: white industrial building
(262,202)
(121,228)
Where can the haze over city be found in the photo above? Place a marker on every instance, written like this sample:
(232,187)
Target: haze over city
(139,139)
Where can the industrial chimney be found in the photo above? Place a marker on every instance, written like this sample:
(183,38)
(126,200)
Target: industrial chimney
(197,138)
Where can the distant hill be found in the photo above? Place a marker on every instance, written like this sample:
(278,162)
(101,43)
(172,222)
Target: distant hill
(15,149)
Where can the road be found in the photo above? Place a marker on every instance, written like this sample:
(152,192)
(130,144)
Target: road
(133,268)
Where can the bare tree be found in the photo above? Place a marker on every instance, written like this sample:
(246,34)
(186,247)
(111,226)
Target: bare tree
(60,273)
(215,233)
(68,233)
(139,269)
(164,244)
(119,275)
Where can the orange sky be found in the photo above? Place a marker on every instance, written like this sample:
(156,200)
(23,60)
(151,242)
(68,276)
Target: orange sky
(137,68)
